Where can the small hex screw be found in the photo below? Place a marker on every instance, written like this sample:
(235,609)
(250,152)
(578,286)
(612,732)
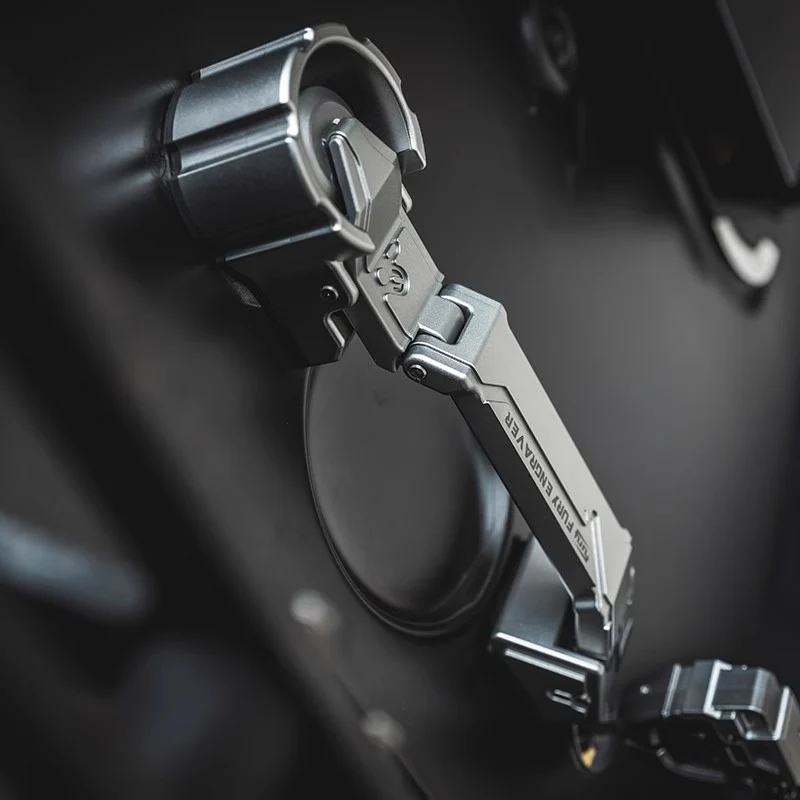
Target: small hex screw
(417,373)
(329,294)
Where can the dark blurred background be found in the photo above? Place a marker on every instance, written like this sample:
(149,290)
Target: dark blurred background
(172,621)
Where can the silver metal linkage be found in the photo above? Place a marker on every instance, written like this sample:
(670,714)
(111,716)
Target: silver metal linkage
(289,162)
(458,342)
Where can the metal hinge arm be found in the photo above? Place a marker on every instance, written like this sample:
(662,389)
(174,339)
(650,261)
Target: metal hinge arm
(494,386)
(458,342)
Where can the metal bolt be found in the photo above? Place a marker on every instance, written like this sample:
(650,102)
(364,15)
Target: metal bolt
(329,294)
(382,729)
(417,373)
(392,252)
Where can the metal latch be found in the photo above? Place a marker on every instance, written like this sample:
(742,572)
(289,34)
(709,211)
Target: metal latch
(714,722)
(289,161)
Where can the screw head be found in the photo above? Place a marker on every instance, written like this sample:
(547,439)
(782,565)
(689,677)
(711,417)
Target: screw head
(417,373)
(329,294)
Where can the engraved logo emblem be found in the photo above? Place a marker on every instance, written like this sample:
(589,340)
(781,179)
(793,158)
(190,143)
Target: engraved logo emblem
(391,275)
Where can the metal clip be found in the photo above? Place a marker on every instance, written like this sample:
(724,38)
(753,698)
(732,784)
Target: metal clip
(718,723)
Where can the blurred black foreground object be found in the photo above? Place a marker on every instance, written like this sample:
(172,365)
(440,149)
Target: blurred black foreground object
(152,420)
(189,701)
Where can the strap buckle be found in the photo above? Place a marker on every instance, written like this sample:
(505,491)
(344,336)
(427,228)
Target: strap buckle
(714,722)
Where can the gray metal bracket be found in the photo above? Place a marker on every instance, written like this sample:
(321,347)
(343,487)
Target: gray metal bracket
(289,162)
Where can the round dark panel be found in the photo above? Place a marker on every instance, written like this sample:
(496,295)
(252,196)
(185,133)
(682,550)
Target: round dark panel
(413,511)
